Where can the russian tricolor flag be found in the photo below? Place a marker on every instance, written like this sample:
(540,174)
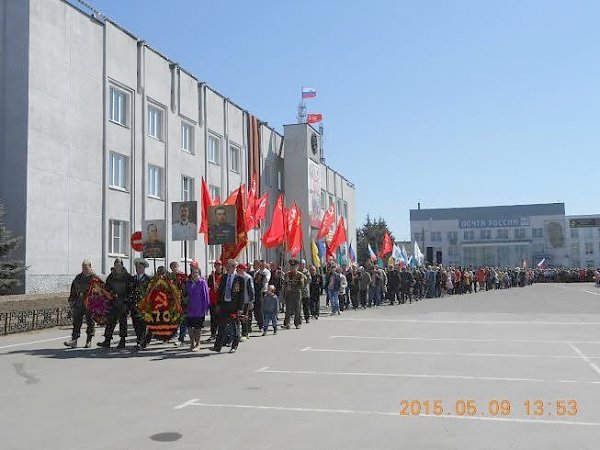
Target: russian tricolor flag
(309,92)
(372,254)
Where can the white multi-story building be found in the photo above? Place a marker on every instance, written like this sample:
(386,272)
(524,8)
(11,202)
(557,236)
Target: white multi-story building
(99,131)
(584,240)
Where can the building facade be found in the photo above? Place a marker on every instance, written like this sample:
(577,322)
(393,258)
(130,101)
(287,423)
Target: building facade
(499,236)
(584,240)
(99,132)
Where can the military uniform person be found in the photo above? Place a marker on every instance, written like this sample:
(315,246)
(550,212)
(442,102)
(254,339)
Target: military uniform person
(139,284)
(119,284)
(79,288)
(293,286)
(305,291)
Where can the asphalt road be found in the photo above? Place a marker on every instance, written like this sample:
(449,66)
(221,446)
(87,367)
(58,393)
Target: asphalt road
(437,374)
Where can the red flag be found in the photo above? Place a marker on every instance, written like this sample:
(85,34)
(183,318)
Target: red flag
(261,208)
(386,247)
(206,202)
(231,251)
(233,196)
(251,206)
(338,238)
(314,118)
(295,239)
(291,223)
(275,235)
(328,220)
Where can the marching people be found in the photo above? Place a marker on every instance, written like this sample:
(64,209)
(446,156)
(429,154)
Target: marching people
(277,282)
(353,288)
(262,277)
(79,288)
(179,279)
(342,296)
(213,291)
(293,285)
(305,290)
(364,282)
(406,283)
(248,302)
(394,285)
(270,309)
(229,307)
(333,288)
(316,289)
(198,305)
(119,284)
(139,284)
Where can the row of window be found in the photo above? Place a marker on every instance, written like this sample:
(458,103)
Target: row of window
(588,248)
(340,205)
(588,233)
(119,179)
(471,235)
(119,113)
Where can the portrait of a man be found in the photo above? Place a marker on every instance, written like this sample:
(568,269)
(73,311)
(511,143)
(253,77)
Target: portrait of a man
(153,238)
(184,226)
(221,224)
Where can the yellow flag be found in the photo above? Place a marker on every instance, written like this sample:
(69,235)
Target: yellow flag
(315,254)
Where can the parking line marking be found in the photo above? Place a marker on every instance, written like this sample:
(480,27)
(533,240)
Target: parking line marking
(590,292)
(387,352)
(305,349)
(413,375)
(20,344)
(196,402)
(587,359)
(459,339)
(467,322)
(262,369)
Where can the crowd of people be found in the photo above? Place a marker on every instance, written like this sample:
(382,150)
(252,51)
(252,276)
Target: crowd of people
(238,297)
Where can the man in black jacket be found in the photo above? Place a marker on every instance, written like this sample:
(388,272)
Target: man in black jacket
(229,305)
(394,286)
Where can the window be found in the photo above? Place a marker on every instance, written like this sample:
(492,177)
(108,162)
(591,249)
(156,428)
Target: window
(214,252)
(436,236)
(187,137)
(280,180)
(469,235)
(453,251)
(266,175)
(155,182)
(215,191)
(118,171)
(589,248)
(118,238)
(588,233)
(338,205)
(519,233)
(485,234)
(155,122)
(234,158)
(323,199)
(599,232)
(214,149)
(537,232)
(346,210)
(330,200)
(502,233)
(117,106)
(452,238)
(418,237)
(187,189)
(574,233)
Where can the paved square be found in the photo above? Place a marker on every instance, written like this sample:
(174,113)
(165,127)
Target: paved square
(504,369)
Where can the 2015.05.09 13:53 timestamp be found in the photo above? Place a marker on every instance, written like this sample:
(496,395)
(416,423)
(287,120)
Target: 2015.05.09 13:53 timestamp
(491,408)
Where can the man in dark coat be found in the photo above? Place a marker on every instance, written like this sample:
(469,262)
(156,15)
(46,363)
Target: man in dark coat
(229,306)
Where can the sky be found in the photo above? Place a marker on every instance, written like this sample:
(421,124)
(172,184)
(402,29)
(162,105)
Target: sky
(451,104)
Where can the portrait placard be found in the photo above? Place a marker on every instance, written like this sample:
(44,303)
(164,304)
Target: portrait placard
(222,221)
(184,221)
(153,238)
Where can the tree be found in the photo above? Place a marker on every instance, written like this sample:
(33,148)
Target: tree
(11,271)
(370,233)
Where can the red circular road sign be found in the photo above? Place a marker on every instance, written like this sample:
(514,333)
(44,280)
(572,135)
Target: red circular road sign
(136,241)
